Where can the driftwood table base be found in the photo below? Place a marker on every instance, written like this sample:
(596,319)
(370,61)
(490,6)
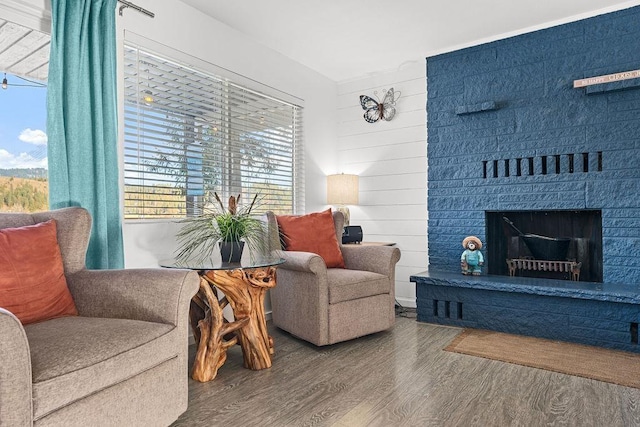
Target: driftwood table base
(209,330)
(244,290)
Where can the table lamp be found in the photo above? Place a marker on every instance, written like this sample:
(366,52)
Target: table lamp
(342,190)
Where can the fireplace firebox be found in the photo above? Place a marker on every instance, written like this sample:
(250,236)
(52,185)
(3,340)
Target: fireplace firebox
(545,244)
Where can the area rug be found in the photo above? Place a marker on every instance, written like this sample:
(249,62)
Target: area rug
(612,366)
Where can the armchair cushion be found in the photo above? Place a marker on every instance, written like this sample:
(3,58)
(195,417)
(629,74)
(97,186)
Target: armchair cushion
(104,352)
(313,233)
(347,285)
(33,285)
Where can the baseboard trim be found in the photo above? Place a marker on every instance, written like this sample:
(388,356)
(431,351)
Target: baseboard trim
(406,302)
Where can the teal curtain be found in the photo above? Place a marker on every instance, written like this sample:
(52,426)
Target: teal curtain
(82,121)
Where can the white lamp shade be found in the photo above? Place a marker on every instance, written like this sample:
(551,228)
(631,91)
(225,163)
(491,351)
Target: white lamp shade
(342,189)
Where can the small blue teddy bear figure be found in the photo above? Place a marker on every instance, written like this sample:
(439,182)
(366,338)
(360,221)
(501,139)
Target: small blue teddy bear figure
(471,259)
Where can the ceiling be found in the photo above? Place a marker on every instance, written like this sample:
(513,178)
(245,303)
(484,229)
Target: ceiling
(348,39)
(345,39)
(23,52)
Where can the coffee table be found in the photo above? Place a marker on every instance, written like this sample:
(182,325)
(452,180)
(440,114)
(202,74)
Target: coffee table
(244,286)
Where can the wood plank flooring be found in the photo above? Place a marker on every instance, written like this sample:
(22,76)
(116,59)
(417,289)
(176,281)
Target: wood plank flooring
(400,377)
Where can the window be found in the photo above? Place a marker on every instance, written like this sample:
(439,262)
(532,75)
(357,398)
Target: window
(24,60)
(189,133)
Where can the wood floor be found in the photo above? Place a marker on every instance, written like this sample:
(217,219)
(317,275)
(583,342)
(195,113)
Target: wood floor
(400,378)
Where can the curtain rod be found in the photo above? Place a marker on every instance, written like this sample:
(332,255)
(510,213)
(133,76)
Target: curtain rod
(126,4)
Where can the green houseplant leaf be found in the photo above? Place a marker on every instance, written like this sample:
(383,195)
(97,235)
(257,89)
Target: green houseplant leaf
(198,236)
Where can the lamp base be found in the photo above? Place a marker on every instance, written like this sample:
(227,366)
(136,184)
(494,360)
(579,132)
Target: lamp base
(345,212)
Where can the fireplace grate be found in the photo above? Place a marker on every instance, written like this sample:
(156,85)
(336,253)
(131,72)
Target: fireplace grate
(572,267)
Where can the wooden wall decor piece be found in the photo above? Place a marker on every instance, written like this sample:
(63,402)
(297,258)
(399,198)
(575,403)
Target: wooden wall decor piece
(608,78)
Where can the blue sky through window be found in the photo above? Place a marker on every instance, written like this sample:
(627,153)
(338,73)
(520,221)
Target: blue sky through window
(23,118)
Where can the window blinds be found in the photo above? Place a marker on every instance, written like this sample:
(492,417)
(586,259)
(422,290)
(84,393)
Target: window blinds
(188,133)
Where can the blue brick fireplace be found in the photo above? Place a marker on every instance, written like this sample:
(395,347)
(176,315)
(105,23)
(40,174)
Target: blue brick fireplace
(508,133)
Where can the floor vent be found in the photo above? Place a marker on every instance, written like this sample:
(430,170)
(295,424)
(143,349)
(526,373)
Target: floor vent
(447,309)
(634,332)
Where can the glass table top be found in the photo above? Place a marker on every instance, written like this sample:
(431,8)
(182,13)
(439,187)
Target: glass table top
(215,263)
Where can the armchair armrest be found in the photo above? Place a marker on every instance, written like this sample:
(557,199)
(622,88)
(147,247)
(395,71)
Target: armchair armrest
(377,259)
(302,261)
(15,373)
(153,295)
(300,300)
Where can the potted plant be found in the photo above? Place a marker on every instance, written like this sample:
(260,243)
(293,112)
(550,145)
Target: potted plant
(230,227)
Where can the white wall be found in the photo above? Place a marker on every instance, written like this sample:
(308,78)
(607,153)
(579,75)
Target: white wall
(391,160)
(185,29)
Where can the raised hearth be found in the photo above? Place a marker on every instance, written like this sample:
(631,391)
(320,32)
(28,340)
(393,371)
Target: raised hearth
(598,314)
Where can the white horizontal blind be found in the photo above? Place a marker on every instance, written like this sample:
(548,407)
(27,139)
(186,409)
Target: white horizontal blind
(189,134)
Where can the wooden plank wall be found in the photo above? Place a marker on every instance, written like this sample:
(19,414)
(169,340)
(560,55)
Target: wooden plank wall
(391,160)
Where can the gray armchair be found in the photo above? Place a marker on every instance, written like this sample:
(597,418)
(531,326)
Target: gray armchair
(329,305)
(122,361)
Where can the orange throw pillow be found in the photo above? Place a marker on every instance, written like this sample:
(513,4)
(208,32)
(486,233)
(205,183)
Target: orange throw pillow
(32,283)
(315,233)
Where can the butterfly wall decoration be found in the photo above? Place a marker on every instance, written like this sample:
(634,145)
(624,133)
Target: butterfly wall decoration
(375,110)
